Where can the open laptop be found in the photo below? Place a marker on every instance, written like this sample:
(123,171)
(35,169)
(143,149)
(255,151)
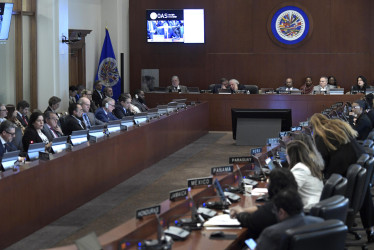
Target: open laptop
(9,159)
(34,149)
(78,137)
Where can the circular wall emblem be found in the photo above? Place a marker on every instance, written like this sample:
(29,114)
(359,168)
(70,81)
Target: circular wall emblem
(153,15)
(290,25)
(108,71)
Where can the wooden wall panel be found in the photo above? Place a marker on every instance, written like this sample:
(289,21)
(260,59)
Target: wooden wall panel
(238,44)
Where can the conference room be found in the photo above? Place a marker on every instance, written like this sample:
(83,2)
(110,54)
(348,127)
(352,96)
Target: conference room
(52,45)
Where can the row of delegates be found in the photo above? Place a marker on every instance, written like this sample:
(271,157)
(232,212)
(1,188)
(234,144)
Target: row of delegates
(288,208)
(336,141)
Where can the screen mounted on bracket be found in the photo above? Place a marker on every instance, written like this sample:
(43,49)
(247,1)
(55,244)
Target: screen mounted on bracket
(5,18)
(179,26)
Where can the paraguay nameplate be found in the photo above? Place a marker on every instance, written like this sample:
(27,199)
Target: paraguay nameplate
(222,170)
(256,151)
(240,159)
(180,193)
(148,211)
(200,181)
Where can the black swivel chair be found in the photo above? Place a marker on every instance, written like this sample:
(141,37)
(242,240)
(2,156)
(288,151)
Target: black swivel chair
(335,185)
(371,135)
(253,89)
(326,235)
(368,143)
(356,176)
(335,207)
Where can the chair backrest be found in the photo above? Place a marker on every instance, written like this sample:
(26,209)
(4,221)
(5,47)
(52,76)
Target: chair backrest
(211,86)
(330,234)
(359,189)
(369,151)
(253,89)
(371,135)
(368,143)
(335,185)
(335,207)
(351,175)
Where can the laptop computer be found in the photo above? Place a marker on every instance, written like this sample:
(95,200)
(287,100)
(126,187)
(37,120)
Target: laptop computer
(9,159)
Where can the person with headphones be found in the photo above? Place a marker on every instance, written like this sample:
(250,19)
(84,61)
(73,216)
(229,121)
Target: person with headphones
(139,100)
(105,114)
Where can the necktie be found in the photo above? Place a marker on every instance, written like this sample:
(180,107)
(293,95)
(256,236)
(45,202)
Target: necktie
(24,119)
(55,135)
(86,120)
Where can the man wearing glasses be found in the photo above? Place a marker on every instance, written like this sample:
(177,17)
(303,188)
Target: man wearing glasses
(88,118)
(51,128)
(104,113)
(359,120)
(3,113)
(7,133)
(73,121)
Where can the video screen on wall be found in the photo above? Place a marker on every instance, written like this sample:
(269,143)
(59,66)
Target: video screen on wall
(5,18)
(179,26)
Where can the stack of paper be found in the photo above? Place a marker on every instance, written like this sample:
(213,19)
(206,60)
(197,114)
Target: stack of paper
(222,220)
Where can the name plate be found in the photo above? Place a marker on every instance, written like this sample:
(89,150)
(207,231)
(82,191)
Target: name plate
(256,151)
(271,141)
(200,181)
(297,128)
(284,133)
(240,159)
(222,170)
(180,193)
(304,124)
(148,211)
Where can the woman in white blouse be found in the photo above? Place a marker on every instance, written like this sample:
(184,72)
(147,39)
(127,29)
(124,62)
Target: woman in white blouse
(307,172)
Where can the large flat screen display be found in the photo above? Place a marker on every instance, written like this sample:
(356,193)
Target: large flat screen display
(5,18)
(180,26)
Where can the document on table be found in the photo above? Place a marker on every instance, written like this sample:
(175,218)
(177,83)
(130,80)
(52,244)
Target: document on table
(259,191)
(222,220)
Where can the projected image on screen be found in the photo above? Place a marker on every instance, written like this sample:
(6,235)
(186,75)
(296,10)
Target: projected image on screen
(184,26)
(5,18)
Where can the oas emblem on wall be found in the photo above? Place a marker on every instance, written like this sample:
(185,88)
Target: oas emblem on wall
(108,71)
(290,25)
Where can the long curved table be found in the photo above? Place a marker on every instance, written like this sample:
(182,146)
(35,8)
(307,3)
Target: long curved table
(220,105)
(42,191)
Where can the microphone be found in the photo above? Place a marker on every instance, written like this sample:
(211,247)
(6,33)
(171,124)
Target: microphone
(163,241)
(195,222)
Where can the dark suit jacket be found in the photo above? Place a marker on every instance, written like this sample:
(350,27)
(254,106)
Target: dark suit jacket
(47,131)
(30,136)
(119,112)
(97,99)
(93,120)
(9,148)
(171,88)
(142,107)
(271,237)
(102,116)
(363,126)
(71,124)
(22,121)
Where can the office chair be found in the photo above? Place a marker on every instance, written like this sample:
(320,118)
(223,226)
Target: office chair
(211,86)
(62,120)
(371,135)
(368,143)
(326,235)
(335,185)
(356,189)
(253,89)
(335,207)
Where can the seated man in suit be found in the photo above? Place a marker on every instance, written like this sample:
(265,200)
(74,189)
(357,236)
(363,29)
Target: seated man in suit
(139,100)
(51,129)
(108,91)
(53,104)
(175,86)
(223,85)
(323,87)
(73,91)
(98,95)
(104,113)
(123,107)
(7,133)
(3,113)
(359,120)
(288,85)
(235,86)
(289,209)
(74,121)
(22,111)
(89,118)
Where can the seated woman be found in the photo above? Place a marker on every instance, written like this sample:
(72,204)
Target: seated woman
(361,85)
(332,81)
(257,218)
(307,172)
(33,132)
(335,140)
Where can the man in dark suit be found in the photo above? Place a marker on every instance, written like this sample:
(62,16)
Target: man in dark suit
(7,133)
(288,86)
(175,86)
(289,209)
(98,95)
(89,118)
(104,113)
(53,104)
(22,111)
(235,85)
(359,120)
(74,121)
(122,109)
(3,113)
(139,100)
(223,85)
(50,127)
